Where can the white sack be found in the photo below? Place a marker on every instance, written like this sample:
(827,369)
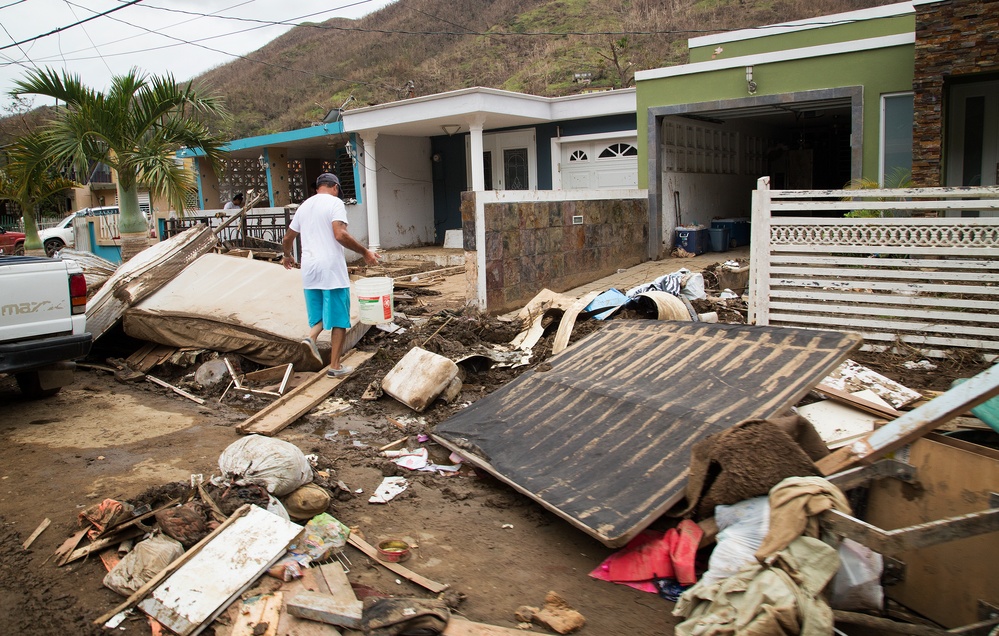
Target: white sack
(742,528)
(146,560)
(275,464)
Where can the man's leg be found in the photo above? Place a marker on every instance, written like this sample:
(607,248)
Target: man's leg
(315,331)
(337,336)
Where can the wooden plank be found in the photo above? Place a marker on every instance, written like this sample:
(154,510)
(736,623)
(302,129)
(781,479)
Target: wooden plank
(326,609)
(603,438)
(401,570)
(569,321)
(34,535)
(289,625)
(67,546)
(337,584)
(458,626)
(200,589)
(177,390)
(100,544)
(139,355)
(293,405)
(259,615)
(915,423)
(858,402)
(915,537)
(943,582)
(140,593)
(885,625)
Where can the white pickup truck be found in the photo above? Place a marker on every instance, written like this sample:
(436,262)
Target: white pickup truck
(43,304)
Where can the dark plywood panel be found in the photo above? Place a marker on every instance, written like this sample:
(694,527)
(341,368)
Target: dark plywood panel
(603,437)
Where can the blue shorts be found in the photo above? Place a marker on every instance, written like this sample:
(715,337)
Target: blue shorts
(331,306)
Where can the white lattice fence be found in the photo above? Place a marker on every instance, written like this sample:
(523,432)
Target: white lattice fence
(931,283)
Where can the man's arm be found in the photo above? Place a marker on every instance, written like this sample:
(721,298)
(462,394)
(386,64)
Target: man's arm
(288,244)
(344,238)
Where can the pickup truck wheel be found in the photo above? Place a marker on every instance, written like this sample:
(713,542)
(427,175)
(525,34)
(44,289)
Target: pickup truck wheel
(30,385)
(53,245)
(19,249)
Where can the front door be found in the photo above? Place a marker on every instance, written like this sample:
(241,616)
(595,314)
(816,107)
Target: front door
(973,132)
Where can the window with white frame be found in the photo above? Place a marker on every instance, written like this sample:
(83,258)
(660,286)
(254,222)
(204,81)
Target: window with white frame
(896,139)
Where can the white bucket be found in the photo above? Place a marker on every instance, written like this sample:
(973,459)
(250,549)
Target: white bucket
(374,299)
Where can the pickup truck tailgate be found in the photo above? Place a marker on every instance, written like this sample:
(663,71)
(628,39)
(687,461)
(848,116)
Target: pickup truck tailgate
(35,299)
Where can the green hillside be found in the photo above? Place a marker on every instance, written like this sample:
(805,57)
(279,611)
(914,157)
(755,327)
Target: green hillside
(422,47)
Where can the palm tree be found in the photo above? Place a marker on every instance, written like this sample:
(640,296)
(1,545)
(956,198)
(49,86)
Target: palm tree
(135,128)
(29,178)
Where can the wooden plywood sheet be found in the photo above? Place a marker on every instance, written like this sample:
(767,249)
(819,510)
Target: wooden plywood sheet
(603,438)
(942,582)
(203,586)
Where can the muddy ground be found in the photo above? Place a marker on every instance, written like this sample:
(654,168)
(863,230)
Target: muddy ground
(498,550)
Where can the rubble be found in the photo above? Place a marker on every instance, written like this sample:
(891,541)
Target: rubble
(677,364)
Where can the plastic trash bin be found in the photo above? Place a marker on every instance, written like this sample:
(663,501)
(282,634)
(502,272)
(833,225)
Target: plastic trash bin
(719,239)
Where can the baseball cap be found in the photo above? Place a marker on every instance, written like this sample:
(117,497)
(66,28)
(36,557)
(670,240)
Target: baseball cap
(327,178)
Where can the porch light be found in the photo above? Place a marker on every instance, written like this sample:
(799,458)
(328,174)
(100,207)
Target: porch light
(750,84)
(450,129)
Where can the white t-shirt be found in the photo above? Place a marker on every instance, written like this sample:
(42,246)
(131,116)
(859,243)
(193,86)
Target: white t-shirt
(324,265)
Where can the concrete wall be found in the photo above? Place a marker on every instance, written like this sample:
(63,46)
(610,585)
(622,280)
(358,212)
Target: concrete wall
(523,242)
(953,39)
(405,192)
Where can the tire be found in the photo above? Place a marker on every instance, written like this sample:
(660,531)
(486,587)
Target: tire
(30,386)
(53,245)
(19,249)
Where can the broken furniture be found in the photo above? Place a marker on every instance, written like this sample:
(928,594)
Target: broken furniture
(602,438)
(933,512)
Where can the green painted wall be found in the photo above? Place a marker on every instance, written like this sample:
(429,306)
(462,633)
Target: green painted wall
(879,71)
(878,27)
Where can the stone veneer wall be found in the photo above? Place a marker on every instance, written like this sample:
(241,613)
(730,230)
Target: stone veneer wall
(953,38)
(534,245)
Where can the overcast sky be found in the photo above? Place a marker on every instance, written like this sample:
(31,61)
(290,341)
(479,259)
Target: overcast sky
(183,37)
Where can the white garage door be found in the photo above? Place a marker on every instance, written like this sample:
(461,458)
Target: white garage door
(600,165)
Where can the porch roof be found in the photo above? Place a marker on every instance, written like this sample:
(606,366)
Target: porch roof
(492,108)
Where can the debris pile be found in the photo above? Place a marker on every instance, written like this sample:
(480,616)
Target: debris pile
(725,463)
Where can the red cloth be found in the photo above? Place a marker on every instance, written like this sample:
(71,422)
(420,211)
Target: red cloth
(654,555)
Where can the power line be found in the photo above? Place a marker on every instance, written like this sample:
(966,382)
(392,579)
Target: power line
(249,59)
(70,26)
(87,33)
(12,4)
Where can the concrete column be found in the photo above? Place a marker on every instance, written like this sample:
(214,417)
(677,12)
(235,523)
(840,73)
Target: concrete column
(370,173)
(278,186)
(478,174)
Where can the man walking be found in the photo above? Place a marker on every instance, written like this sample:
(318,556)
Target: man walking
(321,221)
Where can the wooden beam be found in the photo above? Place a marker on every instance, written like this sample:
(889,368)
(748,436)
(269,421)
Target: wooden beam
(177,390)
(864,405)
(34,535)
(914,424)
(402,571)
(296,403)
(326,608)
